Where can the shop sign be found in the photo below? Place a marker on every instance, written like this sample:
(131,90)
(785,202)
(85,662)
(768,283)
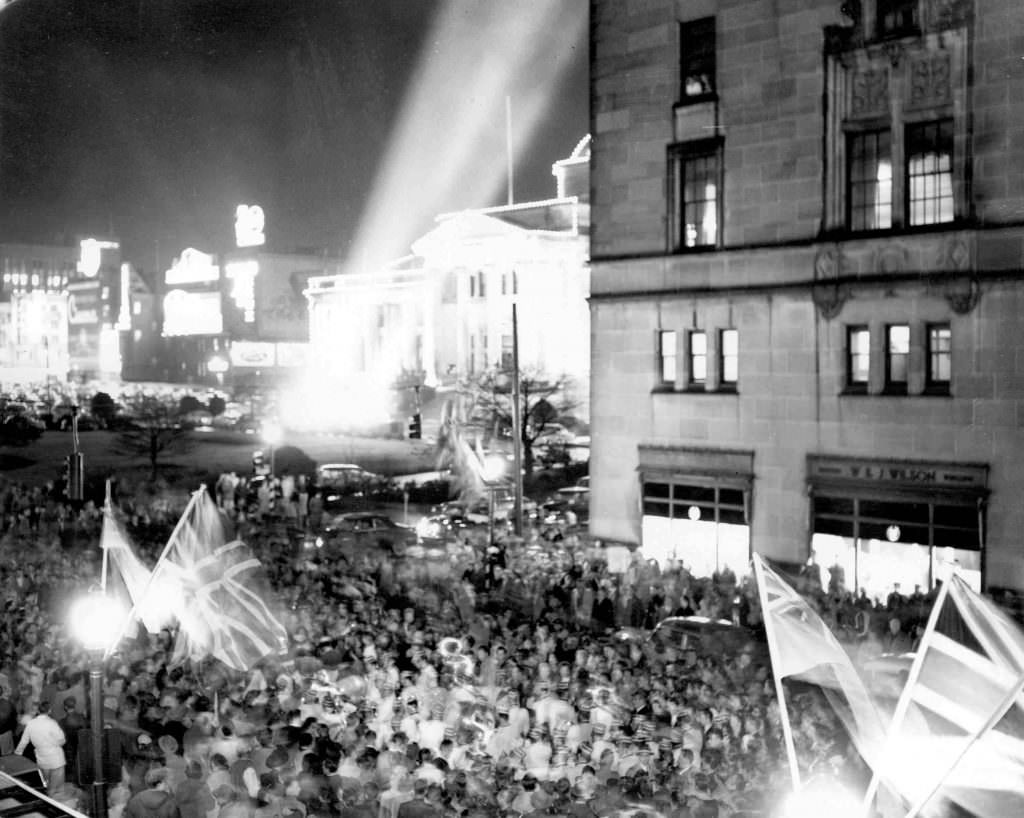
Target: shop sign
(898,472)
(252,354)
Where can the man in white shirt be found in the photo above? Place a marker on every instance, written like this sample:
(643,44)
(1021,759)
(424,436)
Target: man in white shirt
(47,738)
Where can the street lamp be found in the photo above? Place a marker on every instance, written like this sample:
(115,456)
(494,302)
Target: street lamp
(96,621)
(493,470)
(272,435)
(218,366)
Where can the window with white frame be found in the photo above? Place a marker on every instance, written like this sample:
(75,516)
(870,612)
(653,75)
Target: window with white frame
(667,357)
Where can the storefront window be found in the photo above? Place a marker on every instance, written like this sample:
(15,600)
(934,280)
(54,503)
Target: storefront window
(703,525)
(876,544)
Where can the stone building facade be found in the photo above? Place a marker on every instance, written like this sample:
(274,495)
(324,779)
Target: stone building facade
(806,291)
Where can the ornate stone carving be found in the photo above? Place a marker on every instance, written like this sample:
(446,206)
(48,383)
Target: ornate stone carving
(963,294)
(892,258)
(930,80)
(828,293)
(955,255)
(870,93)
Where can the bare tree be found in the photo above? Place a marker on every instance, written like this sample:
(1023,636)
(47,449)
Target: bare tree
(543,399)
(154,428)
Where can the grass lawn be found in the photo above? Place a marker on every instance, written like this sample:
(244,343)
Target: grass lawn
(203,455)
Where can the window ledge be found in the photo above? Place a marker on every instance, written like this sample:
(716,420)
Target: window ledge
(692,391)
(937,391)
(846,233)
(846,393)
(895,389)
(687,102)
(853,389)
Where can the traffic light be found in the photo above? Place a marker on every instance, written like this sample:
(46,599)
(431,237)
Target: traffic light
(415,427)
(74,476)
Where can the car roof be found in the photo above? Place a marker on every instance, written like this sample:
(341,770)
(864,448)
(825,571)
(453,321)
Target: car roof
(361,515)
(340,466)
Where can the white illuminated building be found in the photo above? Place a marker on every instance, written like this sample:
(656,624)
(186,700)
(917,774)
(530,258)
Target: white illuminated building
(446,310)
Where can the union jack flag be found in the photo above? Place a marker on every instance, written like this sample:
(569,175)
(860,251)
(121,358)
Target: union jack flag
(221,610)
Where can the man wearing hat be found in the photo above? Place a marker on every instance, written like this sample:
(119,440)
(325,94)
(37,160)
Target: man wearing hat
(155,801)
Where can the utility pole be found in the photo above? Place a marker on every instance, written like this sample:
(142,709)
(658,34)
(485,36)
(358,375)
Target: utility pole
(517,428)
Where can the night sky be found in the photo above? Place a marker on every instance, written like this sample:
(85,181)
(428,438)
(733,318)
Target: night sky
(152,119)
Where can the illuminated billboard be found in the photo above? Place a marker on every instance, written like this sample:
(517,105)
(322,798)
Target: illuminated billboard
(191,313)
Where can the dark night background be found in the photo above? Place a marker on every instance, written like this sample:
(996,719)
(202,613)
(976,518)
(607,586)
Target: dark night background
(152,119)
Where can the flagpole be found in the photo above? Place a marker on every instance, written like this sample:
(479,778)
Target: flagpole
(780,693)
(152,575)
(1007,702)
(904,701)
(108,511)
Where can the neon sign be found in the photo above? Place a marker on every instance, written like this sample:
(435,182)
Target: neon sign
(242,275)
(91,256)
(249,223)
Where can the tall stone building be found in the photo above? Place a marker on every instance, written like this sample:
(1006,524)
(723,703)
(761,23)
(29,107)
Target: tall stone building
(806,295)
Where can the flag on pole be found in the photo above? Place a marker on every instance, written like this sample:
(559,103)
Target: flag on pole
(133,574)
(801,645)
(218,585)
(961,710)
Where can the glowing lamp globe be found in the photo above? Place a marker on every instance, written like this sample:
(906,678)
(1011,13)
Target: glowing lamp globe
(96,620)
(494,467)
(272,433)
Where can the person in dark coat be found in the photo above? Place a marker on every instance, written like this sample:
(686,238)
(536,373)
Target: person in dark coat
(193,795)
(155,801)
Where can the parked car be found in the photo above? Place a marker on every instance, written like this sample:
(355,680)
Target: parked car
(347,478)
(568,506)
(86,422)
(197,419)
(368,530)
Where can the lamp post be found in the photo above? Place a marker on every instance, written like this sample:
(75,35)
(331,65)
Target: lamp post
(95,621)
(493,470)
(272,437)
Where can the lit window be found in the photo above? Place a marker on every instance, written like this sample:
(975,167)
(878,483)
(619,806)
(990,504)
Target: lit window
(939,357)
(697,59)
(858,357)
(694,184)
(869,181)
(472,286)
(698,358)
(896,356)
(897,18)
(930,172)
(481,284)
(667,356)
(729,357)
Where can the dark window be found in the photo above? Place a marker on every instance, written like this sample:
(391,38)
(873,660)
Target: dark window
(869,181)
(729,358)
(939,357)
(698,352)
(694,184)
(858,357)
(929,149)
(667,356)
(697,59)
(897,355)
(897,18)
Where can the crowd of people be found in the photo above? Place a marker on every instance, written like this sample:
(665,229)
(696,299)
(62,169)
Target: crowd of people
(520,680)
